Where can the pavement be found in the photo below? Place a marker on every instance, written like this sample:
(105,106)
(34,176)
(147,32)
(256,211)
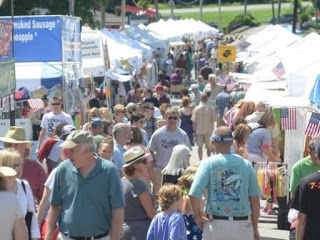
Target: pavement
(229,8)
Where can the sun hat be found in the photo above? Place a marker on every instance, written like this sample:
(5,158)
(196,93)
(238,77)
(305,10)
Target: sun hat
(194,86)
(97,122)
(133,155)
(7,172)
(16,135)
(67,129)
(75,138)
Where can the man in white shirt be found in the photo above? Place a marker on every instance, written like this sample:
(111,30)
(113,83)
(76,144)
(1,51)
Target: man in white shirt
(51,120)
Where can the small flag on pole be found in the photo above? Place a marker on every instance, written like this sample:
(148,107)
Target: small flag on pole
(279,70)
(36,104)
(288,119)
(313,128)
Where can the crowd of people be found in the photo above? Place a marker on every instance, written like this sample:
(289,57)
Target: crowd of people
(128,173)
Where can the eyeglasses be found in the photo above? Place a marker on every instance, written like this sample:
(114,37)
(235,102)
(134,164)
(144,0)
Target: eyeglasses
(174,118)
(55,104)
(143,161)
(141,121)
(92,116)
(122,111)
(150,108)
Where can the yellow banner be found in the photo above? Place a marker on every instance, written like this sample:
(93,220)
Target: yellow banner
(227,53)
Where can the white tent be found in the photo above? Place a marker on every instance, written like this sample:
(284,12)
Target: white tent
(120,51)
(176,30)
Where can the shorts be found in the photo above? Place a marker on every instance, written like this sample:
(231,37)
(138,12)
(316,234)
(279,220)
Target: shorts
(203,139)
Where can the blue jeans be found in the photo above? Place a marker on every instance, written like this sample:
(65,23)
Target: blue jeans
(292,235)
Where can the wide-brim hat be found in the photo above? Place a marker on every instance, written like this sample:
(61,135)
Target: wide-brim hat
(7,172)
(16,135)
(133,155)
(40,92)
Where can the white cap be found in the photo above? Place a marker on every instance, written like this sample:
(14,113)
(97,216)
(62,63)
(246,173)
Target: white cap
(194,86)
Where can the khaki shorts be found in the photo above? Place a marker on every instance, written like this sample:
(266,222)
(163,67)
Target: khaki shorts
(203,139)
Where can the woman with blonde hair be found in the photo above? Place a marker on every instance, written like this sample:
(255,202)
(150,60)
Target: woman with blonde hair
(259,141)
(93,113)
(12,220)
(105,114)
(21,188)
(119,113)
(177,164)
(241,109)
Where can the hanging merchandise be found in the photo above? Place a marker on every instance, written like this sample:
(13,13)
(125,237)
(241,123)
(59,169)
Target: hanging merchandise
(272,178)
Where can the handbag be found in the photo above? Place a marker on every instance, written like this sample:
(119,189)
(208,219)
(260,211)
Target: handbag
(28,217)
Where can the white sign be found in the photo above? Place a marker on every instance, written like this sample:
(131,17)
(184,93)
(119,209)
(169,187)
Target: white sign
(90,48)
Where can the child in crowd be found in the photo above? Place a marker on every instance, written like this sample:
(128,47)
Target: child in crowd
(168,224)
(185,181)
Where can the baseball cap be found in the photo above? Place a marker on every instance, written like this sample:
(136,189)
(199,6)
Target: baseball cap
(67,129)
(194,86)
(77,137)
(97,122)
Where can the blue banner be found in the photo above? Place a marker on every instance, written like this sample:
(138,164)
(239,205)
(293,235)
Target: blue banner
(37,38)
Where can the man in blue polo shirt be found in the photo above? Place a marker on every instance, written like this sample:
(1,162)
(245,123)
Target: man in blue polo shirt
(232,203)
(87,198)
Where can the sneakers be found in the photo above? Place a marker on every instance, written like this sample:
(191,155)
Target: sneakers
(272,212)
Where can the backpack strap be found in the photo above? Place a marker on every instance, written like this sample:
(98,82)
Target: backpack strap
(23,186)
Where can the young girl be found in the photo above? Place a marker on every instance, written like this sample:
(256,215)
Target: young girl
(168,224)
(185,181)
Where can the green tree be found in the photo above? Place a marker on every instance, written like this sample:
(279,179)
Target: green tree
(144,4)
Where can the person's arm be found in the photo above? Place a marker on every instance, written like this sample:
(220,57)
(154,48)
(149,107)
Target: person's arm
(270,155)
(255,208)
(54,214)
(42,134)
(44,205)
(20,231)
(147,205)
(117,222)
(198,213)
(301,227)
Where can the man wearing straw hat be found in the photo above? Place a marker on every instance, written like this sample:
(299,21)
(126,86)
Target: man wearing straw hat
(32,170)
(87,198)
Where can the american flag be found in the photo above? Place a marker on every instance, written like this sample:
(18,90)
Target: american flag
(279,70)
(288,119)
(35,104)
(313,128)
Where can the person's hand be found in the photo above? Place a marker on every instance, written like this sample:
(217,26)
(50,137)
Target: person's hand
(201,220)
(256,234)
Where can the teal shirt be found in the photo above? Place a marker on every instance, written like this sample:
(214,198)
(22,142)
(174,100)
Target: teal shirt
(230,181)
(301,169)
(87,203)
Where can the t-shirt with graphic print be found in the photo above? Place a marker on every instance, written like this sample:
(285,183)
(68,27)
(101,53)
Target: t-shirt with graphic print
(162,143)
(230,181)
(50,122)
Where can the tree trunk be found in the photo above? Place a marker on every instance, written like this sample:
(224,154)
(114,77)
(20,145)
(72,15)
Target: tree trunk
(273,13)
(279,11)
(245,7)
(103,14)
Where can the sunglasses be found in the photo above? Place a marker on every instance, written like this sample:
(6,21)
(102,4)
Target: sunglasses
(17,165)
(174,118)
(55,104)
(143,161)
(151,108)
